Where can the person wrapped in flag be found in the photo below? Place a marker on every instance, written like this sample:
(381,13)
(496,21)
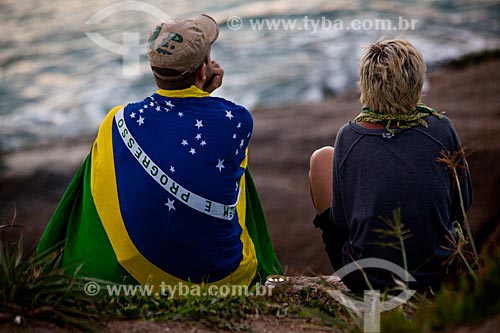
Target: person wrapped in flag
(166,195)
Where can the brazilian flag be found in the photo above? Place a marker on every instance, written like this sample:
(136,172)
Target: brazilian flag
(141,210)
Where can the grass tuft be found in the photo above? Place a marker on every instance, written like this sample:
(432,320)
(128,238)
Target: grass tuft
(36,287)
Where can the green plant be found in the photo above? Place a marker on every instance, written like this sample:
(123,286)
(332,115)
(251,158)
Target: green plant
(454,163)
(395,229)
(463,300)
(36,287)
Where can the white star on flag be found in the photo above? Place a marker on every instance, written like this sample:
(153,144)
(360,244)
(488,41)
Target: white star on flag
(234,136)
(144,106)
(132,115)
(170,204)
(142,110)
(198,136)
(140,121)
(229,115)
(151,103)
(199,123)
(172,169)
(237,151)
(239,125)
(203,143)
(192,151)
(169,104)
(180,114)
(158,108)
(167,110)
(242,143)
(184,142)
(220,165)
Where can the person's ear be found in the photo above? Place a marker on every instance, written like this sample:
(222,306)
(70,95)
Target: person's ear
(201,74)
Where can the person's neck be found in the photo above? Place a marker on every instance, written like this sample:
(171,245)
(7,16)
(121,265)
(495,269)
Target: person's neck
(192,91)
(199,84)
(367,125)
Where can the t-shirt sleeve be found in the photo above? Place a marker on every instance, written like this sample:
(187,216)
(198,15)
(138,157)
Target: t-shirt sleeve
(338,214)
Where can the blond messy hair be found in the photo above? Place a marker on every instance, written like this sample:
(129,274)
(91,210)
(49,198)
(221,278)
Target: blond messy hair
(392,74)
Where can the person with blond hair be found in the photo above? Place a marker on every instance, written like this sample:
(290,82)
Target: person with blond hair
(382,192)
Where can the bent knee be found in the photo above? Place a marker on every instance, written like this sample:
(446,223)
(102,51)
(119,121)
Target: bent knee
(320,178)
(321,156)
(320,164)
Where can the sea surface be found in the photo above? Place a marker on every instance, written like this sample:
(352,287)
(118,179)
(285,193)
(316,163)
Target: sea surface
(65,63)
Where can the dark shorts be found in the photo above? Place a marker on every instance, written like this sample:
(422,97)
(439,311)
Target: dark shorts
(334,238)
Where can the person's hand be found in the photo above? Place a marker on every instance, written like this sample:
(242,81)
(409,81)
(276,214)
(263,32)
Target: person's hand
(216,79)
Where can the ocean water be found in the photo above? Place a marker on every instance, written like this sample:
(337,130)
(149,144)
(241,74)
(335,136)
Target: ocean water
(57,82)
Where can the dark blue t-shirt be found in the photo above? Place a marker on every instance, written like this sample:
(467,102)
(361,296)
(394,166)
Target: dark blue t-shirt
(375,174)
